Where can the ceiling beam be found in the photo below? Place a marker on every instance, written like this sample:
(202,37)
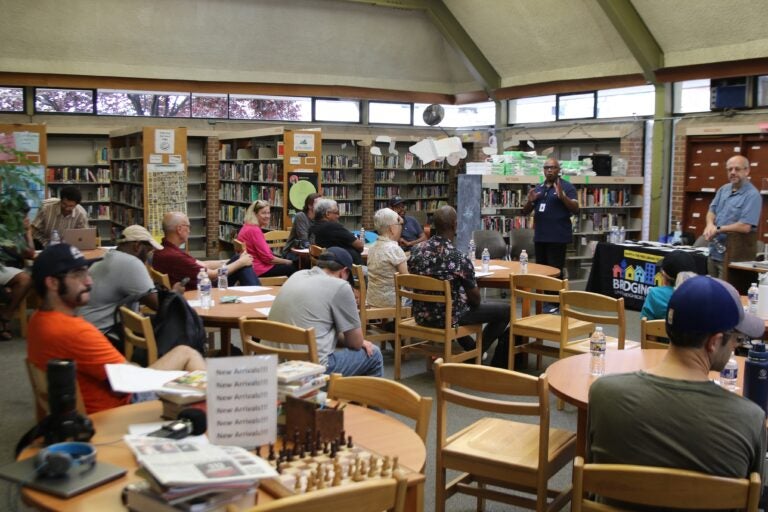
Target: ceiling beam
(636,36)
(474,59)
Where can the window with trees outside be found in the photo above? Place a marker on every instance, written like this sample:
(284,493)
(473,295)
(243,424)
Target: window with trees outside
(112,102)
(66,101)
(210,106)
(270,108)
(11,99)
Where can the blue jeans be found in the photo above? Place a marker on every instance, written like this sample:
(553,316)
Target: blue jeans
(356,362)
(243,277)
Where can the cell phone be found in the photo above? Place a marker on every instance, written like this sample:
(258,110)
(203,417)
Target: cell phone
(184,281)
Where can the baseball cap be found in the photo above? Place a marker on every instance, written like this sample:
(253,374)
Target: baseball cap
(676,262)
(337,255)
(136,233)
(396,201)
(59,259)
(707,305)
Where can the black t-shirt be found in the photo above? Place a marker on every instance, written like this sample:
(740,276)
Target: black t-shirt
(332,234)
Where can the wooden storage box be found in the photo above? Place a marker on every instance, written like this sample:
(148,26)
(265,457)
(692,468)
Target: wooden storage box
(301,415)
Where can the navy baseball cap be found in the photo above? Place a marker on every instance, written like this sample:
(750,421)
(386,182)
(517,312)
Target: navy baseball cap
(59,259)
(704,304)
(396,201)
(676,262)
(340,257)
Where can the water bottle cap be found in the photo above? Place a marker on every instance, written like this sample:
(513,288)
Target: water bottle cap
(758,352)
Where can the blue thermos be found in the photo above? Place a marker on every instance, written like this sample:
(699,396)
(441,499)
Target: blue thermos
(756,375)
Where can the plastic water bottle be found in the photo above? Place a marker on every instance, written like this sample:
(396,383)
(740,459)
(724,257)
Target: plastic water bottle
(55,238)
(223,282)
(756,375)
(622,235)
(205,292)
(523,262)
(200,276)
(597,349)
(677,235)
(486,259)
(730,374)
(613,236)
(754,295)
(362,234)
(471,250)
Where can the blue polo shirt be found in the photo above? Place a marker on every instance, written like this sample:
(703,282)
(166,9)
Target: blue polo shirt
(552,222)
(411,228)
(729,206)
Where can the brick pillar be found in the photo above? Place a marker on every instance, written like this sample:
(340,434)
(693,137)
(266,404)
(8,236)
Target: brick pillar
(368,179)
(631,150)
(212,197)
(678,175)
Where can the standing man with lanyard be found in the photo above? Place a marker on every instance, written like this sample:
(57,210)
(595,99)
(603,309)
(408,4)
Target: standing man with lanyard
(553,202)
(735,209)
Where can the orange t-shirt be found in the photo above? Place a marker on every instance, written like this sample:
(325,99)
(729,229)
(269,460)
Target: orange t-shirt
(54,335)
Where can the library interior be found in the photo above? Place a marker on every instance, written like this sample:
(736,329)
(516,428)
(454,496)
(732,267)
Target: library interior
(392,203)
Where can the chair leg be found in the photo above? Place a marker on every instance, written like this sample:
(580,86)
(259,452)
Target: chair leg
(480,499)
(560,404)
(439,489)
(398,355)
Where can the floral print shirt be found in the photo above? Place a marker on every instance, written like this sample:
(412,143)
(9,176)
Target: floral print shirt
(438,258)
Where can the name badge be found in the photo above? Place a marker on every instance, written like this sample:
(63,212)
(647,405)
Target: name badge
(542,206)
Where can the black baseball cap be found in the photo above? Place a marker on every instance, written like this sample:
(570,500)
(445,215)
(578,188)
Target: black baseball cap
(335,258)
(676,262)
(59,259)
(396,201)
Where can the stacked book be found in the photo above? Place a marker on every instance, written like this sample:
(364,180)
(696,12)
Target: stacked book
(300,379)
(183,392)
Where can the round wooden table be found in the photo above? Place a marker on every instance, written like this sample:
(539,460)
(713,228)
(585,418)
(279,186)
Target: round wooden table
(225,316)
(569,379)
(500,277)
(372,430)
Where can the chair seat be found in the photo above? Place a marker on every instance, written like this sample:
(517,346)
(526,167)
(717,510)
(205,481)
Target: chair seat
(409,327)
(503,445)
(582,346)
(548,324)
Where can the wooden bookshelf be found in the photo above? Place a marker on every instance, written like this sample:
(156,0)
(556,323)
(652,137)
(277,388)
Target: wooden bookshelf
(342,180)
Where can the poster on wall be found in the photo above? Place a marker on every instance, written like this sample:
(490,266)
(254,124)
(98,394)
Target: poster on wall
(304,142)
(301,183)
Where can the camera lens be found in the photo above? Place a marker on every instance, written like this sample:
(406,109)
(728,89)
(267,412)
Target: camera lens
(62,396)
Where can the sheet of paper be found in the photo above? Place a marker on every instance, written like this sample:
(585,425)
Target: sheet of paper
(141,429)
(251,299)
(194,303)
(483,274)
(128,378)
(263,311)
(250,289)
(492,267)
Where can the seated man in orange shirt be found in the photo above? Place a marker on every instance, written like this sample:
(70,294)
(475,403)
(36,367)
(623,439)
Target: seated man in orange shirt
(61,278)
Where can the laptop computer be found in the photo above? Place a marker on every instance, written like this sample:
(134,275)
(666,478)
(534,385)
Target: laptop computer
(75,482)
(84,239)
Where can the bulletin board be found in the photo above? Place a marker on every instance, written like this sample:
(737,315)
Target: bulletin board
(165,154)
(32,141)
(302,164)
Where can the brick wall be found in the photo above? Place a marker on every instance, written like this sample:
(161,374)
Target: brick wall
(212,197)
(368,178)
(677,180)
(631,149)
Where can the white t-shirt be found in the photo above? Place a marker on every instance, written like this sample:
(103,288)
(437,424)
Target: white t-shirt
(383,259)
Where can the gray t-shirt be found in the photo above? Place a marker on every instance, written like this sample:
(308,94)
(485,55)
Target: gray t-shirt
(115,278)
(644,419)
(312,298)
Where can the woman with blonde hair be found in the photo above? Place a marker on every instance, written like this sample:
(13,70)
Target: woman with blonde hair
(265,264)
(385,258)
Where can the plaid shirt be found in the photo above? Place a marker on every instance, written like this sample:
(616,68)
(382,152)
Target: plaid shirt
(438,258)
(49,217)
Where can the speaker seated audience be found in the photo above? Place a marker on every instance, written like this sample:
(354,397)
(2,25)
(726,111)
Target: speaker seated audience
(673,415)
(439,259)
(120,276)
(655,305)
(302,221)
(327,231)
(62,280)
(15,281)
(322,298)
(385,258)
(59,213)
(265,263)
(178,264)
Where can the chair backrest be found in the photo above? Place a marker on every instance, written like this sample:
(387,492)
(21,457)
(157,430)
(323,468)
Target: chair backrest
(422,289)
(588,306)
(138,333)
(652,332)
(39,380)
(532,290)
(369,496)
(384,394)
(273,281)
(362,288)
(493,240)
(238,246)
(159,278)
(314,252)
(253,331)
(468,386)
(520,239)
(276,240)
(661,488)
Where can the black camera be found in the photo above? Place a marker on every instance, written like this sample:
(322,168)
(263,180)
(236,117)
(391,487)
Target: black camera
(65,422)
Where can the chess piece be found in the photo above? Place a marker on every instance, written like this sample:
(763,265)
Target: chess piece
(337,470)
(271,455)
(349,442)
(394,463)
(385,466)
(297,484)
(372,466)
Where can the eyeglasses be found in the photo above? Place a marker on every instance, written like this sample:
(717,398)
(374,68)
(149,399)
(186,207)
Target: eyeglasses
(550,167)
(729,169)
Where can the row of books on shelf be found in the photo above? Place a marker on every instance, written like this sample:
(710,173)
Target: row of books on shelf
(127,194)
(249,193)
(413,176)
(503,198)
(591,222)
(505,224)
(341,192)
(251,171)
(126,216)
(236,215)
(127,171)
(97,211)
(604,196)
(78,174)
(390,161)
(341,161)
(340,176)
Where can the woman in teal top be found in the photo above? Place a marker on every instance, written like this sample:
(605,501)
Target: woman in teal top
(655,305)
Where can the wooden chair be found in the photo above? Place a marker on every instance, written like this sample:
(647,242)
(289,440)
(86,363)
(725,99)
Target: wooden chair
(434,291)
(533,291)
(276,240)
(138,334)
(371,317)
(652,332)
(384,394)
(588,307)
(314,252)
(660,488)
(253,331)
(238,245)
(499,452)
(39,380)
(159,278)
(273,281)
(369,496)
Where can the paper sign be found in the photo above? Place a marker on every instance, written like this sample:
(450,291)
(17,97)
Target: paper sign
(375,150)
(155,159)
(294,160)
(303,141)
(174,159)
(27,142)
(164,141)
(429,150)
(242,393)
